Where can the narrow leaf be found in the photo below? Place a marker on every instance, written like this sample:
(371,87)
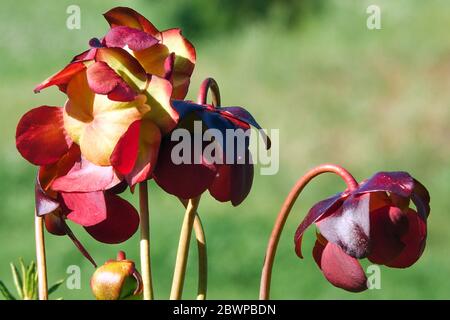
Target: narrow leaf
(17,279)
(5,292)
(55,286)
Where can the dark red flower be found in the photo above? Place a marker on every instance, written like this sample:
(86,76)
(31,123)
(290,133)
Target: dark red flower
(372,221)
(227,180)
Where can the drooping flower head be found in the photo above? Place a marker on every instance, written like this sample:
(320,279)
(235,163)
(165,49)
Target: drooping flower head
(372,221)
(226,171)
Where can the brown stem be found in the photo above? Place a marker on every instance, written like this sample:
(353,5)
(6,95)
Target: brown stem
(284,213)
(40,258)
(145,242)
(209,83)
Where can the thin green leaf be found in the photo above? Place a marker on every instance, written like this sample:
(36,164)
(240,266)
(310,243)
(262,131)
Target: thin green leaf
(5,292)
(55,286)
(30,283)
(17,280)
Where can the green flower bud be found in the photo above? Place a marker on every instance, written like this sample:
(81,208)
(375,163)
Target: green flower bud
(117,280)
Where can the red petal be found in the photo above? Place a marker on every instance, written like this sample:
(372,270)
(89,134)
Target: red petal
(147,156)
(123,16)
(342,270)
(232,182)
(62,77)
(85,176)
(387,225)
(183,180)
(87,208)
(122,221)
(349,226)
(104,80)
(135,39)
(40,135)
(317,211)
(414,240)
(317,253)
(125,152)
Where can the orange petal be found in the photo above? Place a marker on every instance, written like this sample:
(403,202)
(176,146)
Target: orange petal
(95,122)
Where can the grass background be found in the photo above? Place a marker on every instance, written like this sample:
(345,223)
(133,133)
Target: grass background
(338,92)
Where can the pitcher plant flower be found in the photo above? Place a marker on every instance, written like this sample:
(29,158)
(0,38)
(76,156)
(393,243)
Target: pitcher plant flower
(372,219)
(107,134)
(226,180)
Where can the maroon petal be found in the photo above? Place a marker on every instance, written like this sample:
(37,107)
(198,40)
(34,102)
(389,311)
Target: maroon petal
(40,135)
(62,77)
(43,202)
(421,199)
(414,241)
(340,269)
(135,39)
(387,225)
(232,182)
(317,211)
(400,183)
(55,224)
(349,226)
(85,176)
(104,80)
(86,208)
(185,180)
(122,221)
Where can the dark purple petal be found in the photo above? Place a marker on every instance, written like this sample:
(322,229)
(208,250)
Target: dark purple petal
(349,226)
(184,108)
(421,199)
(400,183)
(318,210)
(245,116)
(44,203)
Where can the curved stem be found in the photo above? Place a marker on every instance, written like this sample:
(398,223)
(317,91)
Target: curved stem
(40,258)
(145,242)
(202,255)
(284,213)
(183,249)
(209,83)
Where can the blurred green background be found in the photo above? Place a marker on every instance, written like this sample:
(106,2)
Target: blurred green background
(366,99)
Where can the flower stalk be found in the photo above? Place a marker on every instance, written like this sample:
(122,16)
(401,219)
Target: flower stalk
(145,242)
(40,258)
(183,249)
(202,255)
(280,222)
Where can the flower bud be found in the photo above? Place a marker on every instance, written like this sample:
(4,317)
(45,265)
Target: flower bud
(117,280)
